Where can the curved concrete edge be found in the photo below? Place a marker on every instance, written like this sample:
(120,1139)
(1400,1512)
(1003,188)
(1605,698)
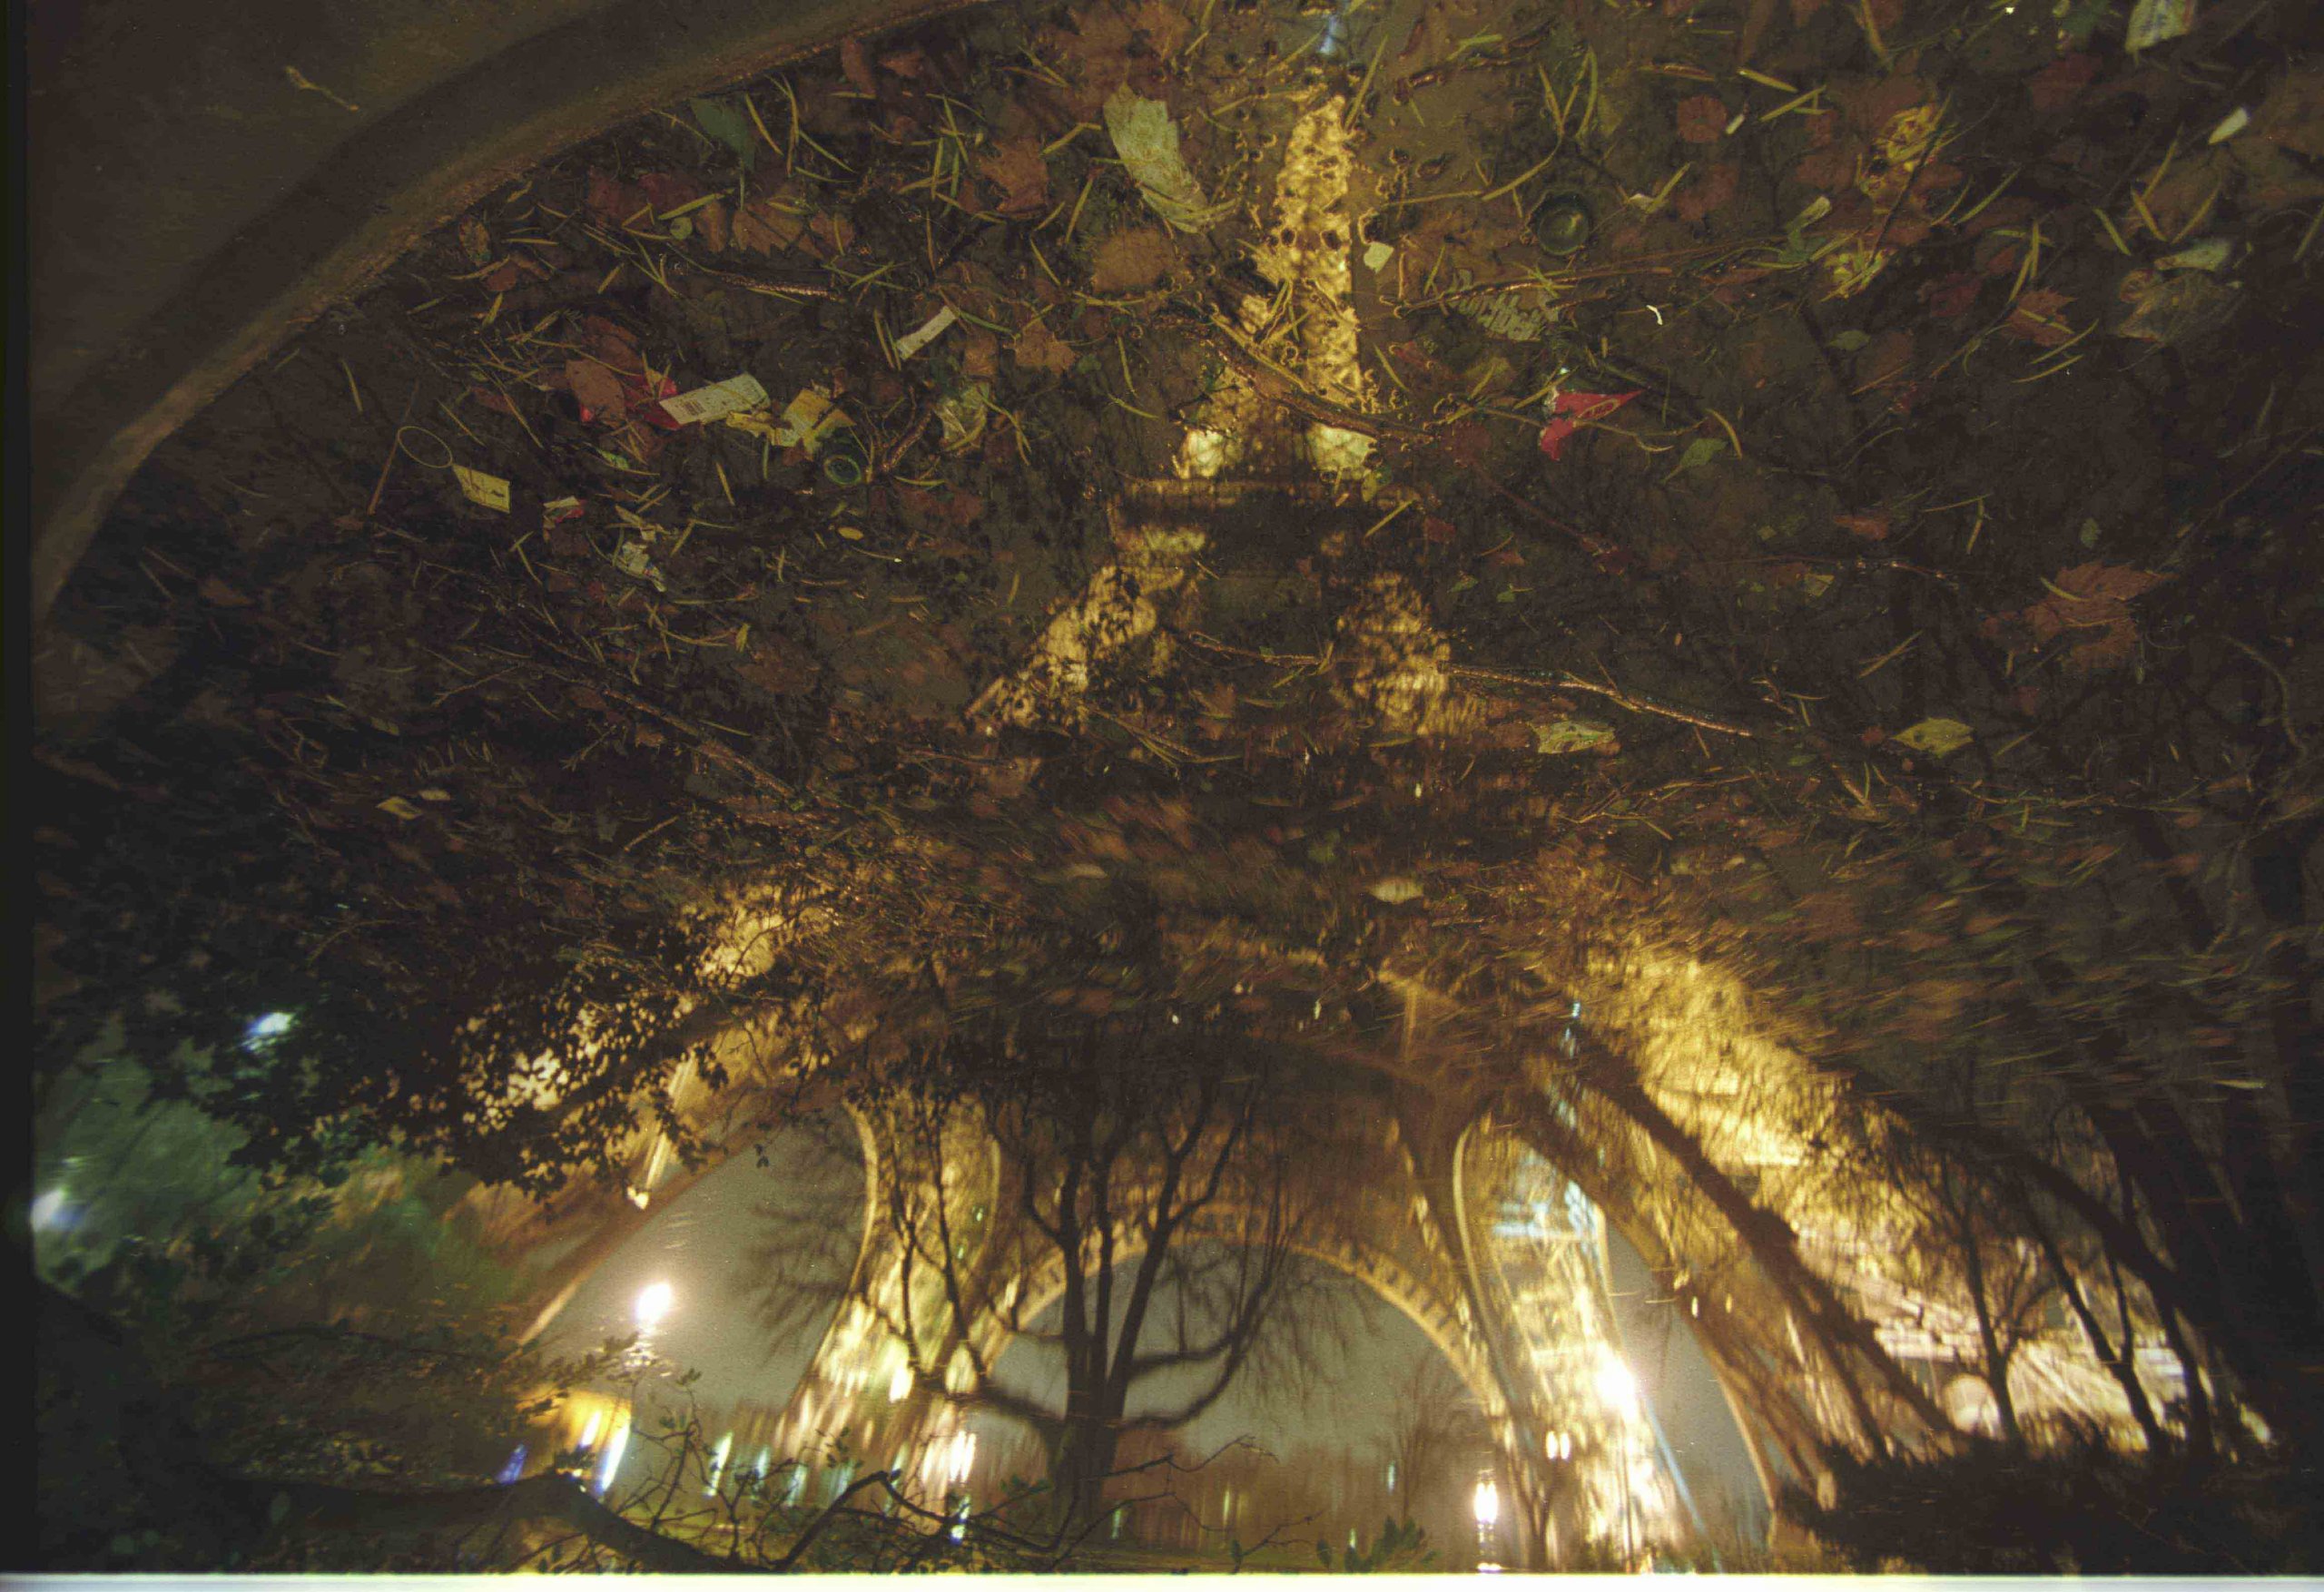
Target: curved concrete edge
(371,199)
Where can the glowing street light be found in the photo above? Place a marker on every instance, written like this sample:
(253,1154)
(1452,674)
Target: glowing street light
(1617,1384)
(654,1303)
(1486,1505)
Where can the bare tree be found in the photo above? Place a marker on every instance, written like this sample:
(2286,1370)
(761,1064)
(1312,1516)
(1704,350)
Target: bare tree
(1433,1423)
(1139,1228)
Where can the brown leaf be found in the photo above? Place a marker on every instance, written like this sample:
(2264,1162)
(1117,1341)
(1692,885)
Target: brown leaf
(766,224)
(475,242)
(1872,527)
(855,63)
(1166,25)
(1885,358)
(2106,582)
(1017,167)
(712,226)
(666,191)
(613,344)
(598,389)
(829,235)
(1038,348)
(775,663)
(613,201)
(2061,82)
(1130,259)
(980,354)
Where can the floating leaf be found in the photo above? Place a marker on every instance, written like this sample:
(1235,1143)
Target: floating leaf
(1570,735)
(1938,737)
(1147,141)
(1396,890)
(729,126)
(1699,452)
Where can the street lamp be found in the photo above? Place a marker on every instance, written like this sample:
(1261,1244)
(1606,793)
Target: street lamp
(1617,1384)
(654,1303)
(1487,1506)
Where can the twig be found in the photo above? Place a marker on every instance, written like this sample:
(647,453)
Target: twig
(1560,680)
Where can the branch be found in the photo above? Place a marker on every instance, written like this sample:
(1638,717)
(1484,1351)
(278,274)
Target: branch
(546,1497)
(832,1512)
(1562,680)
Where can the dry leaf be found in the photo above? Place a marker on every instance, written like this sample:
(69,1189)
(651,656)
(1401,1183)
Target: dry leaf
(598,390)
(1702,119)
(1017,168)
(1130,259)
(1038,348)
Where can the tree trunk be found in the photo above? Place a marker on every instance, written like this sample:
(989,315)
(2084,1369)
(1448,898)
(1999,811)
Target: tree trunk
(2117,1360)
(1989,1339)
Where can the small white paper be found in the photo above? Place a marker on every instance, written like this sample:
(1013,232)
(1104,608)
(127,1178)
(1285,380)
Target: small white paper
(485,491)
(911,342)
(1376,255)
(716,401)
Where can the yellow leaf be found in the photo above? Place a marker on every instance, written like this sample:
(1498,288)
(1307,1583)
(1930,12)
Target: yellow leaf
(1938,737)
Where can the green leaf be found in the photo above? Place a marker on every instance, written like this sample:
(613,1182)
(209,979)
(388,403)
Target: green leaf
(1849,341)
(729,126)
(1938,737)
(1699,452)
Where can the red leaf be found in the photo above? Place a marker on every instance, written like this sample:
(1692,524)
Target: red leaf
(2106,582)
(2061,82)
(2037,318)
(613,199)
(1576,409)
(1708,192)
(1702,119)
(666,191)
(1951,298)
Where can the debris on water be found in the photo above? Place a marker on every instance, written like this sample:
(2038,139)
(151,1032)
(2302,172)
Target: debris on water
(1570,735)
(1562,224)
(716,401)
(1146,139)
(2176,309)
(2212,254)
(2156,22)
(913,342)
(963,415)
(1573,411)
(486,491)
(632,560)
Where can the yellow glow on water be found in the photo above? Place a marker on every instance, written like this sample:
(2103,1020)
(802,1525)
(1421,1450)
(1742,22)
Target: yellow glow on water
(614,1451)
